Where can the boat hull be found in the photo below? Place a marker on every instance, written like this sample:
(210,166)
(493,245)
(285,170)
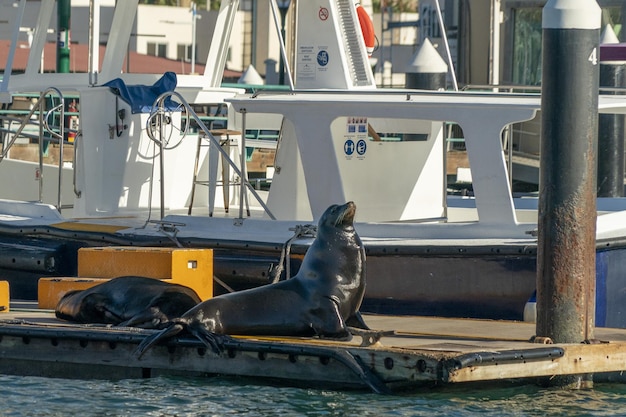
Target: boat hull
(453,282)
(478,286)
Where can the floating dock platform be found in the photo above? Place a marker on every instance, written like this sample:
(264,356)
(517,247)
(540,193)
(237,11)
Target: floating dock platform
(422,352)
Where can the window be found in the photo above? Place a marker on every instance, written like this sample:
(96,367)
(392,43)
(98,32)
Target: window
(526,65)
(157,49)
(183,52)
(527,46)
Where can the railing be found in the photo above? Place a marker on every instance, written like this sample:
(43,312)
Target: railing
(46,132)
(503,88)
(518,88)
(160,117)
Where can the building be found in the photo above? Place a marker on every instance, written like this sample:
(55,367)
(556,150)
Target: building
(489,42)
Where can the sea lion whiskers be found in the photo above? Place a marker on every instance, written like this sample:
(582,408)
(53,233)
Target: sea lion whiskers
(347,213)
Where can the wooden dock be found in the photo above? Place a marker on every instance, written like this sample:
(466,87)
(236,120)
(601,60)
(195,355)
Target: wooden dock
(423,352)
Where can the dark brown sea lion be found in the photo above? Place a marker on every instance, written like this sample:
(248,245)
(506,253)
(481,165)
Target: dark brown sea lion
(322,299)
(128,301)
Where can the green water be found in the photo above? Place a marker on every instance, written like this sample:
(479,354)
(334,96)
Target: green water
(30,396)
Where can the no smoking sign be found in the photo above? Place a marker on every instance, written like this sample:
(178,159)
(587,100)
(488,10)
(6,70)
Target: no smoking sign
(323,13)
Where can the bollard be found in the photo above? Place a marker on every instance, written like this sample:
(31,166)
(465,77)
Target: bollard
(567,189)
(427,70)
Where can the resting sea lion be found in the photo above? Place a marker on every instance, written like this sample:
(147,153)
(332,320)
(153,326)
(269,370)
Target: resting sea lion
(322,299)
(128,301)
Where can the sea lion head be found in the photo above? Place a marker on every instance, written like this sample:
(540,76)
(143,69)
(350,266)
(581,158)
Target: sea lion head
(81,306)
(339,216)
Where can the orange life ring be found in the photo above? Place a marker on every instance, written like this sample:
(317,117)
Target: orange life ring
(367,29)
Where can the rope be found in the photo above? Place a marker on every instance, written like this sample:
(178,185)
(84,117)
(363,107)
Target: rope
(301,230)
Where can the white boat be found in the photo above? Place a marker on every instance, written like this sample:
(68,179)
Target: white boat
(428,253)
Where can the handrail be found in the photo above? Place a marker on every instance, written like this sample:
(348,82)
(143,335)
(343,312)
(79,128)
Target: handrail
(44,127)
(158,110)
(513,88)
(77,139)
(59,136)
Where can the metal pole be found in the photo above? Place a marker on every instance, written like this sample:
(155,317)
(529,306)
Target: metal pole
(494,50)
(161,122)
(93,65)
(283,49)
(611,130)
(244,173)
(566,254)
(61,146)
(447,45)
(63,35)
(193,37)
(4,83)
(281,70)
(41,142)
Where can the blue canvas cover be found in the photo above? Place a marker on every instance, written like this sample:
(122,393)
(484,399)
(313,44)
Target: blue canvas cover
(141,97)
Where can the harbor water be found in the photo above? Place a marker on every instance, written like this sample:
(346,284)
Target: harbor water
(216,396)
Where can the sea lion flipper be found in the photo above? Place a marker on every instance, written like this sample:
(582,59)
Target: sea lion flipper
(152,318)
(109,315)
(328,322)
(210,339)
(356,320)
(101,305)
(149,341)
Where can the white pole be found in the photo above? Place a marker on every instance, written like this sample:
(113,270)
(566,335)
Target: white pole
(9,64)
(494,50)
(94,41)
(283,49)
(445,42)
(193,37)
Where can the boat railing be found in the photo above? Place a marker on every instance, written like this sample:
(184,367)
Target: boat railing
(503,88)
(47,132)
(158,119)
(532,89)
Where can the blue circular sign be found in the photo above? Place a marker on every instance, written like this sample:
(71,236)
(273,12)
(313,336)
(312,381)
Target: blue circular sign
(348,147)
(361,147)
(322,58)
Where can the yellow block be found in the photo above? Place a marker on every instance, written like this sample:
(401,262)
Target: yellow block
(50,290)
(5,297)
(194,268)
(190,267)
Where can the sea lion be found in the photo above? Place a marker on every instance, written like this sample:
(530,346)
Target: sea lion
(128,301)
(322,299)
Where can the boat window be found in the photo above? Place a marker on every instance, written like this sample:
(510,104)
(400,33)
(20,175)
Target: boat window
(397,130)
(526,40)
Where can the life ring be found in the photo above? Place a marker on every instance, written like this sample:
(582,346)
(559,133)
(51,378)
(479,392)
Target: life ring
(367,29)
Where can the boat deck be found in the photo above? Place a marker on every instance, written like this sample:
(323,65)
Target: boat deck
(423,351)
